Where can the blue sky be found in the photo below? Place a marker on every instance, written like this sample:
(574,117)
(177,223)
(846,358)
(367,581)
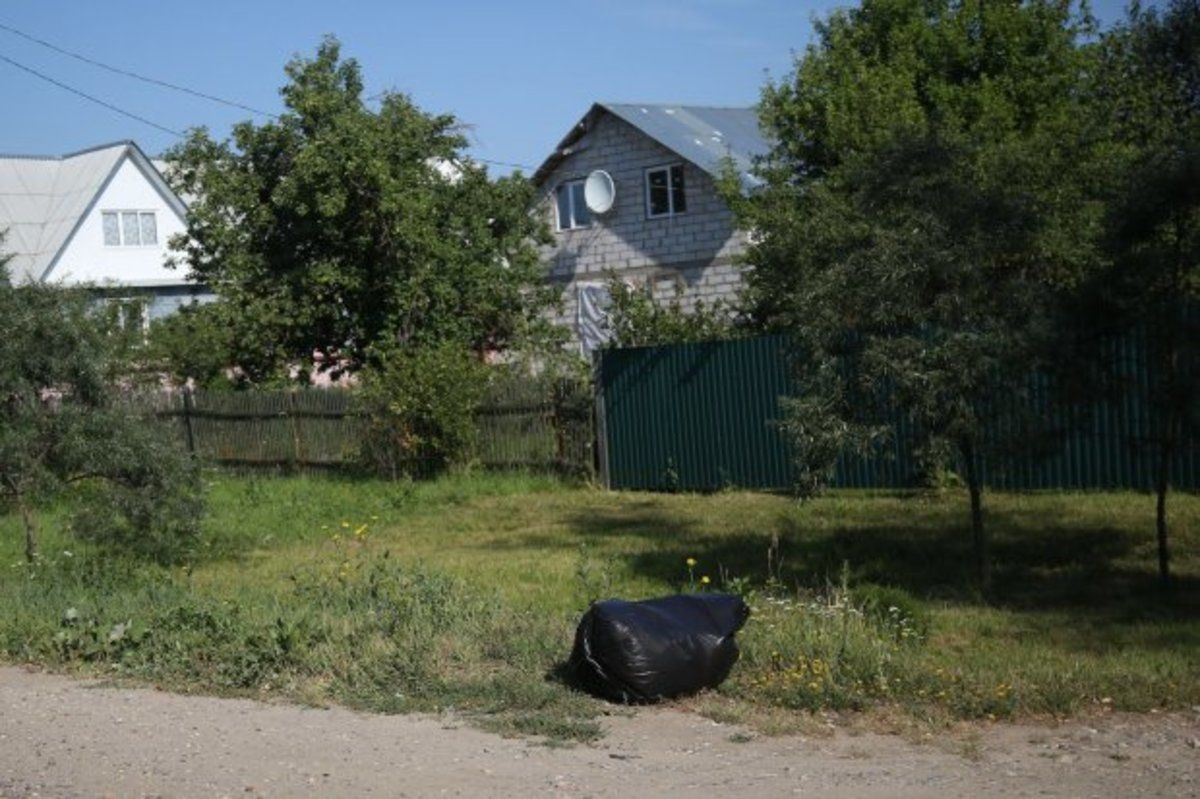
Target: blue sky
(519,72)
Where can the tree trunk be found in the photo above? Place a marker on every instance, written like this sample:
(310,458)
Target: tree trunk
(1172,392)
(1168,442)
(1166,450)
(979,534)
(1164,552)
(30,530)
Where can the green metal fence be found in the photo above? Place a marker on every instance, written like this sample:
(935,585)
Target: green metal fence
(703,416)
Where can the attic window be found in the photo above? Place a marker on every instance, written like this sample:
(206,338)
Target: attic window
(129,228)
(572,210)
(664,191)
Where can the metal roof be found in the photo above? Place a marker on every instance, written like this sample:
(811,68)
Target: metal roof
(43,199)
(704,135)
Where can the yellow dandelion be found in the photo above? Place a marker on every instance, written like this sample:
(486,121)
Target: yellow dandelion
(704,580)
(691,562)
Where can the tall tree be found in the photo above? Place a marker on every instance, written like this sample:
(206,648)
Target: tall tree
(921,208)
(337,229)
(1149,100)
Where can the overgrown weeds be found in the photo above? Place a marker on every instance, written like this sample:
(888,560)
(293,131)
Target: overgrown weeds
(463,593)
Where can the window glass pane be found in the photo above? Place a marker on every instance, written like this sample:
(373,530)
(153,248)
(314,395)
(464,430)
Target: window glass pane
(112,234)
(678,201)
(129,229)
(659,199)
(149,229)
(564,207)
(583,216)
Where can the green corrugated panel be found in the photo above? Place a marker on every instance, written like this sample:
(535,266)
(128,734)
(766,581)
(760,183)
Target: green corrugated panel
(702,416)
(696,416)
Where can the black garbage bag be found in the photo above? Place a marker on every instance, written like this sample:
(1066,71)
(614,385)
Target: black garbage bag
(658,648)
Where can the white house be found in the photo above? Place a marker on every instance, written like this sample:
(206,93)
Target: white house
(101,217)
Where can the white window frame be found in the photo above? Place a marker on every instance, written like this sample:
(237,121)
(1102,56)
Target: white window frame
(670,193)
(121,213)
(568,186)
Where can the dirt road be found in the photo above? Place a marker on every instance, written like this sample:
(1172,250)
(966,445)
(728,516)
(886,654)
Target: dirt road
(65,738)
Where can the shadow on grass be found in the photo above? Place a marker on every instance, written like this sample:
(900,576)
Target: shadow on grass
(1042,563)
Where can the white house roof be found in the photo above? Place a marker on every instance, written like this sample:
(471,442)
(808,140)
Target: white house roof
(707,136)
(43,199)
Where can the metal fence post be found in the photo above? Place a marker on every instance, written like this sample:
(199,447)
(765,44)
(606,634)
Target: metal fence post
(599,426)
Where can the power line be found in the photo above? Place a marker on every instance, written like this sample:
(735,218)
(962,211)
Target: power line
(87,96)
(134,75)
(165,84)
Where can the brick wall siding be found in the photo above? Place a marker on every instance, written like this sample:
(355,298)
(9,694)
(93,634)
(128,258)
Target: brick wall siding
(694,250)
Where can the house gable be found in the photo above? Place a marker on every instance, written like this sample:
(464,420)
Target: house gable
(626,238)
(692,252)
(132,184)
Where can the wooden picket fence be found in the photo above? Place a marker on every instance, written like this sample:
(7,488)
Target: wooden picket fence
(520,425)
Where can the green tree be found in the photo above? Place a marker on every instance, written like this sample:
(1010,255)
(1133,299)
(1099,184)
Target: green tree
(638,319)
(338,229)
(418,408)
(1149,102)
(64,424)
(197,343)
(925,200)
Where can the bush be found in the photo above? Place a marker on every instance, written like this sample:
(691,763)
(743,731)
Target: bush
(65,425)
(196,343)
(151,499)
(638,319)
(419,405)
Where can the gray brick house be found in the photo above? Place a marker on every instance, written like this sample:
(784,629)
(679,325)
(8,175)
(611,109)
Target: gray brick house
(667,227)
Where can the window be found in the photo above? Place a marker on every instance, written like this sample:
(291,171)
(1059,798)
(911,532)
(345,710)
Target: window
(130,313)
(664,191)
(129,228)
(572,210)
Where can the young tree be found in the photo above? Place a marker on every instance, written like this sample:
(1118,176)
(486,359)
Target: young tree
(920,210)
(1149,101)
(63,424)
(338,229)
(638,319)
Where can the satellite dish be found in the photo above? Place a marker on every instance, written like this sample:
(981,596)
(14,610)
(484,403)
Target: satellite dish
(599,192)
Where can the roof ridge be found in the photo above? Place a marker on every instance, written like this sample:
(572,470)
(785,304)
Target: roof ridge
(65,156)
(747,107)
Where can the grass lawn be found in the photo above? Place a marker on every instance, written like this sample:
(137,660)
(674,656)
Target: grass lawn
(464,593)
